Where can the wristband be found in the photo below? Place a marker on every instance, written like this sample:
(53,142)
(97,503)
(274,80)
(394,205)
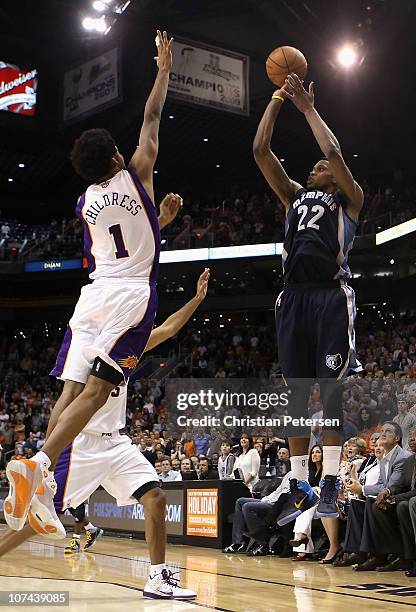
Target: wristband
(281,98)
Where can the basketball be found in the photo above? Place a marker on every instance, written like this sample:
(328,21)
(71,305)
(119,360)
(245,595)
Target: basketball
(284,60)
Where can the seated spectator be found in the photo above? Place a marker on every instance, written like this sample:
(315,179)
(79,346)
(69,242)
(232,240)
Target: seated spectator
(158,467)
(226,461)
(167,474)
(367,424)
(405,419)
(201,442)
(247,464)
(251,515)
(176,465)
(282,466)
(391,468)
(302,543)
(187,472)
(205,471)
(178,452)
(390,536)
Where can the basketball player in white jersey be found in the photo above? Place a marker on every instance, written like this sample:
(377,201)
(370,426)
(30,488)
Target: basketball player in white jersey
(113,318)
(100,455)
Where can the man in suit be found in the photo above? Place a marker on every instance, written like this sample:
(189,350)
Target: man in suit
(391,469)
(389,528)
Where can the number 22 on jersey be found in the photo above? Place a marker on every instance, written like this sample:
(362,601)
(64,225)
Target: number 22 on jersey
(303,211)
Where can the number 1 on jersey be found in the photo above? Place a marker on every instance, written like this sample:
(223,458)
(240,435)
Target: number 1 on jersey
(121,251)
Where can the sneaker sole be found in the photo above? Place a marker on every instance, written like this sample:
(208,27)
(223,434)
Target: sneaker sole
(288,518)
(100,535)
(168,597)
(22,490)
(43,522)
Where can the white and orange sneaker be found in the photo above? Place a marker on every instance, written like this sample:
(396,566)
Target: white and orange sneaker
(42,514)
(24,476)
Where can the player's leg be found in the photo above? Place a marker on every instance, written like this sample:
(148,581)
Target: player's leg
(335,358)
(297,363)
(70,391)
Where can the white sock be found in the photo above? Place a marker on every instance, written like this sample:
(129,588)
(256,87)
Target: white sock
(76,536)
(299,467)
(157,569)
(43,459)
(332,455)
(90,527)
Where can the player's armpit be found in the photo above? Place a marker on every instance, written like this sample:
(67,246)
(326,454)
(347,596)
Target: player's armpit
(345,181)
(275,175)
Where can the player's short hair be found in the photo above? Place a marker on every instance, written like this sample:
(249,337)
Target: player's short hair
(91,154)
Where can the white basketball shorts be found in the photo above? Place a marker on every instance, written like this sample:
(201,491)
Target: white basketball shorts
(113,320)
(93,460)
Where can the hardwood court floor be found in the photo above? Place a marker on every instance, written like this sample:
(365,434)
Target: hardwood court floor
(112,578)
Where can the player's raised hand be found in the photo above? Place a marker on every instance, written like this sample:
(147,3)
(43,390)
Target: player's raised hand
(169,207)
(164,50)
(202,285)
(302,99)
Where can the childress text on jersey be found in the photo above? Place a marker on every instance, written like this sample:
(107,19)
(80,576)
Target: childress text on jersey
(111,199)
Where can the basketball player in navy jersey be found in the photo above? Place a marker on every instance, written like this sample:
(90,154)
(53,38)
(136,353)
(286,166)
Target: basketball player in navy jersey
(315,311)
(114,316)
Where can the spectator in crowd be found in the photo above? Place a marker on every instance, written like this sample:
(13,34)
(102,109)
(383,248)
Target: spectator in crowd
(215,443)
(371,458)
(148,450)
(167,474)
(206,472)
(158,467)
(177,452)
(282,466)
(251,516)
(201,442)
(189,446)
(389,528)
(247,463)
(302,543)
(226,461)
(391,468)
(367,424)
(176,465)
(187,472)
(405,419)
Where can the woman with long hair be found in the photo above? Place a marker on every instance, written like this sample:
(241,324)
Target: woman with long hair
(248,461)
(302,543)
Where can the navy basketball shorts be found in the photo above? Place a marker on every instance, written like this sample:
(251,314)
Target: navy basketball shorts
(315,337)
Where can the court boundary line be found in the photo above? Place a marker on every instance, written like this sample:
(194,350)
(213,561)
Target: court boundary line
(124,586)
(292,586)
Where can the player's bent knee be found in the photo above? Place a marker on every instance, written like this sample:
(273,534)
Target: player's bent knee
(151,496)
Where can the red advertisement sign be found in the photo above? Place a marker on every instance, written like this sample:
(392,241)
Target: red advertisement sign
(18,89)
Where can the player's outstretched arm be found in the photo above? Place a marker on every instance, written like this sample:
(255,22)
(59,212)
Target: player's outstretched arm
(266,160)
(175,322)
(145,155)
(169,208)
(329,145)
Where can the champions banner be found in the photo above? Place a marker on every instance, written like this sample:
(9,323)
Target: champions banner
(209,76)
(18,89)
(92,86)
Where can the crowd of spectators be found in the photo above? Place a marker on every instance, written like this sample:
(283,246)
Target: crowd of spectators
(241,216)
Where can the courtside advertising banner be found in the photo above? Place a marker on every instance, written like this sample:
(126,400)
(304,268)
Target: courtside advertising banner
(202,512)
(210,76)
(92,86)
(18,89)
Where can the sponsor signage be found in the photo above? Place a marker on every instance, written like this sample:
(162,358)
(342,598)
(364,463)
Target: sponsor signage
(18,89)
(210,76)
(92,86)
(52,266)
(104,511)
(202,512)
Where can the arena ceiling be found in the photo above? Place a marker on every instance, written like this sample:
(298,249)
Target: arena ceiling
(371,110)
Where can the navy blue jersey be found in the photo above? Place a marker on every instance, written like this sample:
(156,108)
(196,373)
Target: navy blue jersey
(318,236)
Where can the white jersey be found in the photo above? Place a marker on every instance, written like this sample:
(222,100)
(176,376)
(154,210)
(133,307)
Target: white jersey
(121,230)
(111,417)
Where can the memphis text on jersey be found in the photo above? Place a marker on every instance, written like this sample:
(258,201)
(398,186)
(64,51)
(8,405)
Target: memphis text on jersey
(326,198)
(111,199)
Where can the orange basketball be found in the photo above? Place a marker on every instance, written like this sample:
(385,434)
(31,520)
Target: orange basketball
(284,60)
